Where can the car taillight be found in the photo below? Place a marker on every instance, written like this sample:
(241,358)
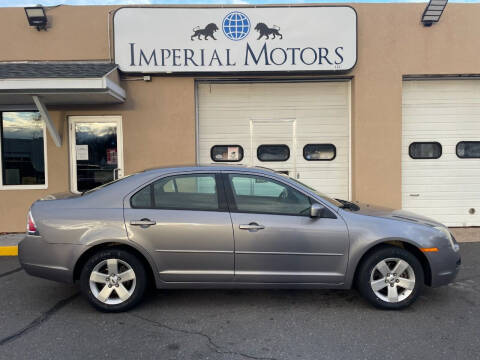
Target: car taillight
(31,227)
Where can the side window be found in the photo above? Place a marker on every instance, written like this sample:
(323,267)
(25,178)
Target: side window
(257,194)
(226,153)
(468,149)
(182,192)
(425,150)
(273,153)
(319,152)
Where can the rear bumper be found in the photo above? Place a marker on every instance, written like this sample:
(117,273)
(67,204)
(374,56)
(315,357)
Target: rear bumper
(46,260)
(445,265)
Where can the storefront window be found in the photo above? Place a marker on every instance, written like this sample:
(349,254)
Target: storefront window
(22,148)
(319,152)
(273,153)
(425,150)
(226,153)
(468,149)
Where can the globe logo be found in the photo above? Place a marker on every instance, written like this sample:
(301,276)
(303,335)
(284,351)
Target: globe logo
(236,25)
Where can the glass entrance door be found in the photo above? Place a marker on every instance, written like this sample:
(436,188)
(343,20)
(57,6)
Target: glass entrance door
(96,151)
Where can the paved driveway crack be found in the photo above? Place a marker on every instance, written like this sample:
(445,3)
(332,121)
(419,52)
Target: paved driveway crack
(215,347)
(10,272)
(39,320)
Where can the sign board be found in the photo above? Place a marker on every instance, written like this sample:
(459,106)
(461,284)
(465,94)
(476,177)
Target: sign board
(249,39)
(82,152)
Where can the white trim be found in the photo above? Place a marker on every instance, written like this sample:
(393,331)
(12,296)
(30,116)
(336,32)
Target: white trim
(349,96)
(61,85)
(45,166)
(42,109)
(72,154)
(51,83)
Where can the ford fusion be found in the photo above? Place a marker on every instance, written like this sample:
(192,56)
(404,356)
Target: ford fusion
(225,227)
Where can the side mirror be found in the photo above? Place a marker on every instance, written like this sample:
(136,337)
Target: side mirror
(317,210)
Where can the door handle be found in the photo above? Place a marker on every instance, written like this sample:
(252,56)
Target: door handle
(253,226)
(144,223)
(414,195)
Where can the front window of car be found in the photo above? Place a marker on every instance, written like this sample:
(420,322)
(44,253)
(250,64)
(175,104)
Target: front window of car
(258,194)
(316,192)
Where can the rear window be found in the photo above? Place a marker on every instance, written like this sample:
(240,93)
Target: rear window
(468,149)
(273,153)
(182,192)
(425,150)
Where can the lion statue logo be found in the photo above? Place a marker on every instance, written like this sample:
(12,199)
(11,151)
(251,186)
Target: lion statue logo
(207,32)
(264,30)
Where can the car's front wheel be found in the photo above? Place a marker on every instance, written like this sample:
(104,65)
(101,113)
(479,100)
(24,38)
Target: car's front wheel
(390,278)
(113,280)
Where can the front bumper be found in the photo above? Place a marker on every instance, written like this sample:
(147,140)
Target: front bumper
(47,260)
(445,265)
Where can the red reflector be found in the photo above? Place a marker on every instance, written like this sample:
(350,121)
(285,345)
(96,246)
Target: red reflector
(31,227)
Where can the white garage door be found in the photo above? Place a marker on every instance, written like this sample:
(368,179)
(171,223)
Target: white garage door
(298,128)
(441,131)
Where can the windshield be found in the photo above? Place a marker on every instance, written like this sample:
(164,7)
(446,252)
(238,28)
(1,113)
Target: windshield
(322,195)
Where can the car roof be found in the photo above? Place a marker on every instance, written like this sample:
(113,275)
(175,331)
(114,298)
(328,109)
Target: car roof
(213,167)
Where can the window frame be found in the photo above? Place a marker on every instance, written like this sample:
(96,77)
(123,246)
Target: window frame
(264,145)
(334,152)
(45,157)
(466,157)
(424,158)
(225,161)
(219,185)
(232,205)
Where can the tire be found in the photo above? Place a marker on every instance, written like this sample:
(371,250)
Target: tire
(102,283)
(372,273)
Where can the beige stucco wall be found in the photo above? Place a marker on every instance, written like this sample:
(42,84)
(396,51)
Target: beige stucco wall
(159,116)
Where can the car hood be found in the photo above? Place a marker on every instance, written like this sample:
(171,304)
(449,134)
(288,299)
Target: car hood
(402,215)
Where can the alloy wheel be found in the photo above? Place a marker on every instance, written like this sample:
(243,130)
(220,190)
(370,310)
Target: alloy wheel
(112,281)
(392,280)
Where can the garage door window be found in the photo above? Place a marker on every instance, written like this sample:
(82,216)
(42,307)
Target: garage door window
(319,152)
(226,153)
(425,150)
(468,149)
(273,153)
(22,150)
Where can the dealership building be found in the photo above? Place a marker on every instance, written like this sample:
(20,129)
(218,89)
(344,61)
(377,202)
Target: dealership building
(364,102)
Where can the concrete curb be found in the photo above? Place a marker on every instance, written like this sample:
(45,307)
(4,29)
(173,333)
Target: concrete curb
(9,244)
(9,250)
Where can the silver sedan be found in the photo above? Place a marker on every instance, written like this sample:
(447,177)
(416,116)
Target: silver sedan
(231,226)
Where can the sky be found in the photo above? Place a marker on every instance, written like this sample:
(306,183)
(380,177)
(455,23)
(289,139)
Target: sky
(4,3)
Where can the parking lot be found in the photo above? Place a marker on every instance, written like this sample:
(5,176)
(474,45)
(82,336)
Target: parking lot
(45,320)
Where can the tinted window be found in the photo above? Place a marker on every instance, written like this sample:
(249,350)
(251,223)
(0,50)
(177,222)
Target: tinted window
(22,141)
(273,153)
(319,152)
(468,149)
(182,192)
(142,199)
(256,194)
(230,153)
(425,150)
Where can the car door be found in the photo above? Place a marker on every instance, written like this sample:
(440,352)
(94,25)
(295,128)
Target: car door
(276,241)
(184,222)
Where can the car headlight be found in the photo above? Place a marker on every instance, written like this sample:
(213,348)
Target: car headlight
(449,236)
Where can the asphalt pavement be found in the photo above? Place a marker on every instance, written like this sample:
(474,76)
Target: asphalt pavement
(40,319)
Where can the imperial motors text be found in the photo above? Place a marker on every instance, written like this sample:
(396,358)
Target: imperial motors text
(265,56)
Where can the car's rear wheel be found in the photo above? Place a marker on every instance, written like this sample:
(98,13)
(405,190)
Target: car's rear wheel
(113,280)
(390,278)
